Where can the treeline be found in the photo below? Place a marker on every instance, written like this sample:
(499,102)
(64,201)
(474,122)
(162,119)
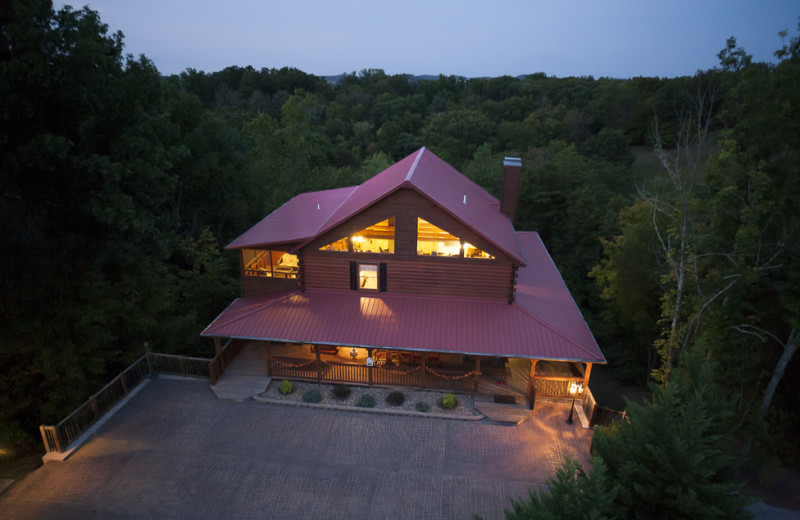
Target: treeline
(120,188)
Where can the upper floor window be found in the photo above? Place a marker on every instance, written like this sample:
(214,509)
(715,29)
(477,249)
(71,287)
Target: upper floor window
(434,241)
(269,263)
(378,238)
(367,277)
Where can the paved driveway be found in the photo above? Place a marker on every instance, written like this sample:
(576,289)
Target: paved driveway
(174,451)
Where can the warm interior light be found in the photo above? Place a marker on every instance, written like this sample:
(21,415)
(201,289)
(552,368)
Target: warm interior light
(573,388)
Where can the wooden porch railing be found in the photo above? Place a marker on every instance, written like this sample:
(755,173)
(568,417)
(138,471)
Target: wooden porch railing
(554,386)
(59,437)
(328,372)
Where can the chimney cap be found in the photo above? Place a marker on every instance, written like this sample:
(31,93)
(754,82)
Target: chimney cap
(512,161)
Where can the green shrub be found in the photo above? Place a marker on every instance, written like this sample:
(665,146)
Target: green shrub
(341,392)
(395,398)
(286,387)
(366,401)
(449,401)
(422,407)
(312,395)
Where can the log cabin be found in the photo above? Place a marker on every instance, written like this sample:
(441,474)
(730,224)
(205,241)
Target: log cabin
(416,277)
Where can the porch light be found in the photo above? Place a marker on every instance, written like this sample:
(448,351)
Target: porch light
(574,390)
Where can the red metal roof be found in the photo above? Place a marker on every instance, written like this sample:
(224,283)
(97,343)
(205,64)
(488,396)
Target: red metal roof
(295,221)
(544,322)
(299,220)
(541,291)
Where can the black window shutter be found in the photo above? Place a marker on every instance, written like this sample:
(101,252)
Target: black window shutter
(353,276)
(382,278)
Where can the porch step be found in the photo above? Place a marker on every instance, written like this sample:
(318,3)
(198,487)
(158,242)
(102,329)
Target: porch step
(245,377)
(500,412)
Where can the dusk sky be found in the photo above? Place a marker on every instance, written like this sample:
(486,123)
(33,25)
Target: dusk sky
(601,38)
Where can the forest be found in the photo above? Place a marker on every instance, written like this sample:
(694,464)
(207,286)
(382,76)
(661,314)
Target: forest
(670,206)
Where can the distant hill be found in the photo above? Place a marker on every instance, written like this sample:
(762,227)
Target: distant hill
(334,80)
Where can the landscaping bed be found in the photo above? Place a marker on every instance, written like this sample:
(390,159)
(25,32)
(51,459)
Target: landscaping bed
(405,399)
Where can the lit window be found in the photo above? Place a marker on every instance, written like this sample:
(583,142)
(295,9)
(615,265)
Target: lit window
(471,251)
(339,245)
(368,276)
(378,238)
(267,263)
(435,241)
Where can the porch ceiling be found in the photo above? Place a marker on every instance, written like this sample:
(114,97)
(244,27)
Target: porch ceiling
(422,323)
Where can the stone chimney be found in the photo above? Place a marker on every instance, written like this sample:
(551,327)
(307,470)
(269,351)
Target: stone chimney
(509,192)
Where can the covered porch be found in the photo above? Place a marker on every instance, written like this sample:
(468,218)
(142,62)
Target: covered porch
(512,380)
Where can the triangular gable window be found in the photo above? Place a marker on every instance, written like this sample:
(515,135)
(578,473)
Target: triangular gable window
(339,245)
(435,241)
(378,238)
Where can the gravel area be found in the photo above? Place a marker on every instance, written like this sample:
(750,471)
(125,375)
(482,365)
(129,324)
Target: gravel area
(464,407)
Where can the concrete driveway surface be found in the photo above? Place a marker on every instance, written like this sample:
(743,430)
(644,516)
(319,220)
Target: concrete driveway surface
(175,451)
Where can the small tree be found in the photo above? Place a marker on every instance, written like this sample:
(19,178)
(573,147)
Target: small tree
(572,494)
(673,459)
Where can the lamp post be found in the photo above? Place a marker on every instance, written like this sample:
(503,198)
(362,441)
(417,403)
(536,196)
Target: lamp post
(574,389)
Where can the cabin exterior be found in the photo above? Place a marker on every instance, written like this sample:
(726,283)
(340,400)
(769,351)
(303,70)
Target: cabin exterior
(415,277)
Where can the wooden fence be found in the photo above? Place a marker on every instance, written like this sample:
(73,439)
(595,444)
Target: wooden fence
(328,372)
(58,438)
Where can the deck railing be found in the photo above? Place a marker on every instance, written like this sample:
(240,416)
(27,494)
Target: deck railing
(59,437)
(329,372)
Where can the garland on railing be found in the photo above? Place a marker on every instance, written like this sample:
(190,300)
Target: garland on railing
(454,378)
(398,372)
(294,365)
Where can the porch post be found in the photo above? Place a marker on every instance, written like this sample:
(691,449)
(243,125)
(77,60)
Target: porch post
(477,373)
(218,345)
(319,364)
(369,367)
(586,375)
(531,390)
(269,358)
(424,372)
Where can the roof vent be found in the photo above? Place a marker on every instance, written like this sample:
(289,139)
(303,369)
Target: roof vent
(317,207)
(465,199)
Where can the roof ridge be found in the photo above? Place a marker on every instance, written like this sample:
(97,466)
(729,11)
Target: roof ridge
(332,213)
(414,166)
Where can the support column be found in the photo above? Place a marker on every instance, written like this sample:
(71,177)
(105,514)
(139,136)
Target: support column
(531,388)
(586,374)
(319,364)
(218,345)
(369,367)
